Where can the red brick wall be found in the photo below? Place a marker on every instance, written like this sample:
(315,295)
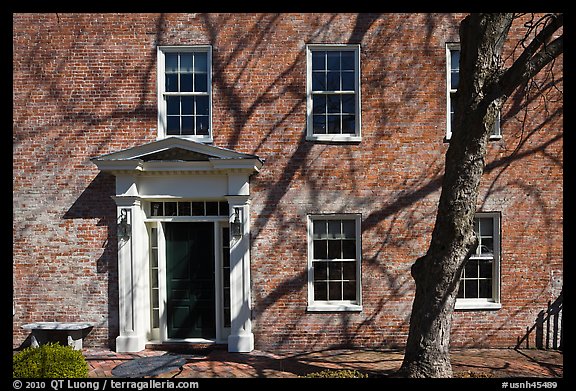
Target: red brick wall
(85,85)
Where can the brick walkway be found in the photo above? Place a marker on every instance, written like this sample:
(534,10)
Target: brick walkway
(218,363)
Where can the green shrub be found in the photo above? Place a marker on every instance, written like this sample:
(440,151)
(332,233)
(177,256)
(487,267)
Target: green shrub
(49,360)
(333,373)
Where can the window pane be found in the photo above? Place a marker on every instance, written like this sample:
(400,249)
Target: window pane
(201,62)
(333,103)
(454,80)
(349,289)
(188,125)
(172,82)
(319,229)
(202,125)
(171,64)
(454,69)
(485,289)
(349,229)
(187,105)
(201,82)
(201,105)
(349,249)
(347,60)
(335,270)
(320,249)
(319,104)
(186,82)
(157,208)
(485,269)
(334,291)
(333,60)
(154,258)
(487,247)
(224,208)
(186,62)
(334,249)
(173,105)
(173,125)
(333,81)
(184,209)
(318,81)
(170,209)
(318,60)
(197,208)
(212,209)
(471,269)
(348,104)
(154,237)
(320,271)
(349,270)
(319,124)
(486,225)
(320,291)
(226,257)
(471,289)
(348,81)
(348,124)
(334,230)
(333,124)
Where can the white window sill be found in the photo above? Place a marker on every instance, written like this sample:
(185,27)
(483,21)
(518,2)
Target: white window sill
(340,138)
(344,307)
(471,304)
(200,139)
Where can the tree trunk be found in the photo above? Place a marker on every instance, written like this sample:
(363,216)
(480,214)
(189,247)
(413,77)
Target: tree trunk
(437,274)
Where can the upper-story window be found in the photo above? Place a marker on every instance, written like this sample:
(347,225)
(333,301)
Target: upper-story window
(333,92)
(184,92)
(453,79)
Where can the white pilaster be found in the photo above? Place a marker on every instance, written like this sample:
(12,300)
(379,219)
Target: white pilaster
(132,337)
(241,338)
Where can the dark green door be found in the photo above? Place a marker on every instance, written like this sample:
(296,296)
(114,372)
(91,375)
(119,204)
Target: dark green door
(190,280)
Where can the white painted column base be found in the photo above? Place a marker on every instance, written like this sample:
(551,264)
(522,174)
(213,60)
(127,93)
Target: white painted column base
(130,343)
(241,343)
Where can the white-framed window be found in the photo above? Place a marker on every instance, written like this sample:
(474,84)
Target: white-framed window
(333,93)
(452,81)
(480,283)
(334,258)
(185,92)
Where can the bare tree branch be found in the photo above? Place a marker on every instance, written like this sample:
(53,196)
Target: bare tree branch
(536,56)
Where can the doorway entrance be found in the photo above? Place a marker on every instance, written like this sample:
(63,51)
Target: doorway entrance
(190,280)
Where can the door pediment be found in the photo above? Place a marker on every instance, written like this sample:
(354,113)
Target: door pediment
(177,155)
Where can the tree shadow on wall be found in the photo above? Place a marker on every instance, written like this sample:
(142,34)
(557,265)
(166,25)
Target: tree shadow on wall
(95,202)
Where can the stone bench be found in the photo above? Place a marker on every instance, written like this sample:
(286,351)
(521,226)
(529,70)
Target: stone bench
(43,332)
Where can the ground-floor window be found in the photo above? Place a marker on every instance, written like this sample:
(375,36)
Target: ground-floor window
(480,283)
(334,257)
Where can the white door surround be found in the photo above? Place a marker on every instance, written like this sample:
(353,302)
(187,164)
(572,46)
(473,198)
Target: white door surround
(174,169)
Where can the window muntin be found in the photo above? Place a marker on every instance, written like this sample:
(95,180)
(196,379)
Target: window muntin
(188,208)
(184,83)
(452,81)
(333,92)
(334,262)
(480,278)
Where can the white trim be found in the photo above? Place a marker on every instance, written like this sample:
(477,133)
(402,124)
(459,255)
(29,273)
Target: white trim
(337,306)
(310,136)
(450,46)
(477,304)
(160,52)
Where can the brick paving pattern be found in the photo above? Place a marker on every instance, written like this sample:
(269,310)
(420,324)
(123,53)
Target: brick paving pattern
(218,363)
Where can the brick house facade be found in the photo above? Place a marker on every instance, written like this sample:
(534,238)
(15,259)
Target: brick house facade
(320,137)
